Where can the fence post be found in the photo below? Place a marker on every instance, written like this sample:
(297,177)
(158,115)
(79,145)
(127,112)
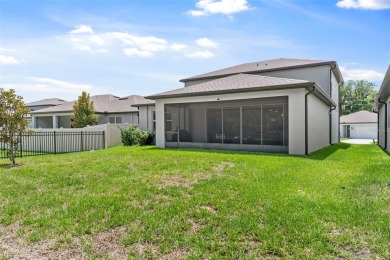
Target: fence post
(21,147)
(55,143)
(104,140)
(82,141)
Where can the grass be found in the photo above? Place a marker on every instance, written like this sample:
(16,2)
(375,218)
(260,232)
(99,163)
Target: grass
(204,204)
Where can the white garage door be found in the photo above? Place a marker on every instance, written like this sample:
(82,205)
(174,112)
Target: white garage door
(367,131)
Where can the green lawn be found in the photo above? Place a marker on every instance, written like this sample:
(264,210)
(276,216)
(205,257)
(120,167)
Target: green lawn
(151,203)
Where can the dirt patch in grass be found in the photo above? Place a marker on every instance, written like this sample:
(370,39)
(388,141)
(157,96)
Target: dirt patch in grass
(210,209)
(222,166)
(195,226)
(151,251)
(361,253)
(176,180)
(105,244)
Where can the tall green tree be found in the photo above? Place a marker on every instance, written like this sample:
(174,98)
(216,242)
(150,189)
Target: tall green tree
(84,112)
(13,121)
(357,95)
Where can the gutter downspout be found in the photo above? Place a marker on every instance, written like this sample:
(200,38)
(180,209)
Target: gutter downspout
(385,126)
(306,121)
(377,113)
(330,124)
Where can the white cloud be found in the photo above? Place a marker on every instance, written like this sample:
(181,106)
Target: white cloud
(48,85)
(6,60)
(206,42)
(358,74)
(227,7)
(133,45)
(364,4)
(205,54)
(144,43)
(134,52)
(60,84)
(178,47)
(82,29)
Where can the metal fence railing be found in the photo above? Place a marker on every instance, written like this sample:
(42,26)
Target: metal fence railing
(42,143)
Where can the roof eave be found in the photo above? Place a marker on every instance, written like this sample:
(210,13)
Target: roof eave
(265,70)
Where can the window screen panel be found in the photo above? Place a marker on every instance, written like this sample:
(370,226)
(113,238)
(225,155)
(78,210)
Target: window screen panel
(251,125)
(231,125)
(214,125)
(273,125)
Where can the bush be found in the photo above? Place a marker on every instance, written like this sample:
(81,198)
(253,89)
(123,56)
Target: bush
(132,135)
(129,135)
(145,138)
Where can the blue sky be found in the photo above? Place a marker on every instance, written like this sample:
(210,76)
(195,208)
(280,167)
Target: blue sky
(60,48)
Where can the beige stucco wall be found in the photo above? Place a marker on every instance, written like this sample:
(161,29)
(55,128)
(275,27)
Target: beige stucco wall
(382,126)
(318,124)
(296,107)
(336,112)
(146,117)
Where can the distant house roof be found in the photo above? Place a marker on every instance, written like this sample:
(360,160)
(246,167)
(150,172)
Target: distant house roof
(146,102)
(102,103)
(266,66)
(241,83)
(384,91)
(47,102)
(360,117)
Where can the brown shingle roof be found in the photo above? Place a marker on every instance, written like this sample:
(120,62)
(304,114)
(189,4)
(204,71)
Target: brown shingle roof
(263,66)
(359,117)
(241,83)
(47,102)
(102,103)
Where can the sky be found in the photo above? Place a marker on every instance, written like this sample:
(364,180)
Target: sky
(59,48)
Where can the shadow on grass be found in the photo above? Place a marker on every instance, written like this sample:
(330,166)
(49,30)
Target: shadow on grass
(8,165)
(321,154)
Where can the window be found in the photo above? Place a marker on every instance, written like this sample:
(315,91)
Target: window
(115,120)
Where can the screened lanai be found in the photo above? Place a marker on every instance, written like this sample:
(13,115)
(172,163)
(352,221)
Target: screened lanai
(251,124)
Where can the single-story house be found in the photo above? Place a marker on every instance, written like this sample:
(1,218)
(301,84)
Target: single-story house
(110,109)
(281,105)
(382,107)
(41,104)
(359,125)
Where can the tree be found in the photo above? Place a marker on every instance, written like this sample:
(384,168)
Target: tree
(13,121)
(357,95)
(84,112)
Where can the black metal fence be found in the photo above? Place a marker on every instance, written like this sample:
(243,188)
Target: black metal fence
(42,143)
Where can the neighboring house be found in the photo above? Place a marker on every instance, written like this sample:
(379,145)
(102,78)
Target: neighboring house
(281,105)
(382,107)
(147,115)
(41,104)
(359,125)
(111,109)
